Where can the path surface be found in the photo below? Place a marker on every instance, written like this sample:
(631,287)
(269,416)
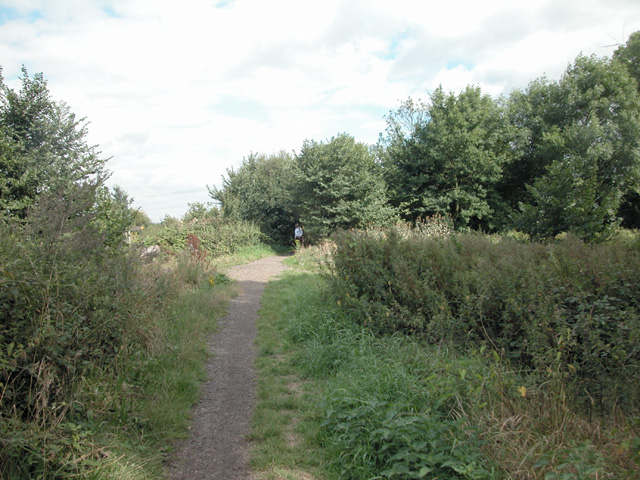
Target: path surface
(217,447)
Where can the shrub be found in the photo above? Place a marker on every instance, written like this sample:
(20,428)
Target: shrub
(216,235)
(568,307)
(68,308)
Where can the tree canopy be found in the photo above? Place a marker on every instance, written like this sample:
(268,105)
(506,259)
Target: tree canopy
(48,171)
(260,191)
(448,158)
(577,150)
(43,146)
(339,185)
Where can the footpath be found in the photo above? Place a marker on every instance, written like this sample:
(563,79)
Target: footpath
(217,446)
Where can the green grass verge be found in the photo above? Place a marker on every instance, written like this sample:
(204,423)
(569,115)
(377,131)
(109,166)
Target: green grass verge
(159,388)
(247,254)
(281,424)
(354,403)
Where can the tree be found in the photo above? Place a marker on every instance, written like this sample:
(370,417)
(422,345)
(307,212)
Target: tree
(200,211)
(447,159)
(42,146)
(113,214)
(260,191)
(339,185)
(629,55)
(141,219)
(579,150)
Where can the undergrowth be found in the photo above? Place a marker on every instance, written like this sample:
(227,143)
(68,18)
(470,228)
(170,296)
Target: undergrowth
(566,312)
(366,409)
(401,406)
(213,236)
(101,353)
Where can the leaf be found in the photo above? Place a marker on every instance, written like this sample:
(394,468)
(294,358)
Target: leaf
(424,471)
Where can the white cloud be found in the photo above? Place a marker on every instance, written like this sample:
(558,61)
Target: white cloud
(177,92)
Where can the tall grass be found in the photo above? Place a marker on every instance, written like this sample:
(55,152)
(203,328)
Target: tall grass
(366,410)
(398,406)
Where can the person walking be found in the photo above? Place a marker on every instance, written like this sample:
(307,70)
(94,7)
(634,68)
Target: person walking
(297,235)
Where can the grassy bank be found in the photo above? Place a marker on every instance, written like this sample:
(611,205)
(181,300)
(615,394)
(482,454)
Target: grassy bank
(395,406)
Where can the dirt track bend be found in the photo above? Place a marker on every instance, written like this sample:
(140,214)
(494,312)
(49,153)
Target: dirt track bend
(217,447)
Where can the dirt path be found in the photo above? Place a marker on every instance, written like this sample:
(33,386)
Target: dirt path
(217,447)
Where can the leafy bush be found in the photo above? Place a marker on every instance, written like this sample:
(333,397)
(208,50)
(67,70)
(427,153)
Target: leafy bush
(216,235)
(100,354)
(567,308)
(374,401)
(69,307)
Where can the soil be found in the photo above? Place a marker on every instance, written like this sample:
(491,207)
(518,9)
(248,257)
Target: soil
(217,446)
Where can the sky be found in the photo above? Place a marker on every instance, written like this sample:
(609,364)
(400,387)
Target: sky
(178,92)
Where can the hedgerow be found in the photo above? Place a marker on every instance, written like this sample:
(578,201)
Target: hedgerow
(566,308)
(215,235)
(100,351)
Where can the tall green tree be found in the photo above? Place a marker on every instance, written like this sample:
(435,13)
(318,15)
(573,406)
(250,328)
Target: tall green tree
(339,185)
(629,55)
(578,150)
(447,158)
(260,191)
(43,146)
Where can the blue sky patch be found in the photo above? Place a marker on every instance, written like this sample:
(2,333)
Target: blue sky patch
(8,14)
(451,64)
(224,3)
(111,12)
(393,49)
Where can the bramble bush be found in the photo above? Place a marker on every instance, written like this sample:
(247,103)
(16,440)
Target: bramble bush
(567,309)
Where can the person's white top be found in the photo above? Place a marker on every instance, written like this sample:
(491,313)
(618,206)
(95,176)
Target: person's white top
(298,232)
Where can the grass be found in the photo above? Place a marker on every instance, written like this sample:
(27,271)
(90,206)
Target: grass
(280,423)
(159,389)
(246,255)
(336,401)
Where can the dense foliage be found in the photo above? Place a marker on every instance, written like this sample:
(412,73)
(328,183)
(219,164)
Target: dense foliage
(327,186)
(42,146)
(68,308)
(577,151)
(449,162)
(339,186)
(380,407)
(337,400)
(568,308)
(260,191)
(203,232)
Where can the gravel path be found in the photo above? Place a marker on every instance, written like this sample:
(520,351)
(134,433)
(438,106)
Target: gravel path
(217,447)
